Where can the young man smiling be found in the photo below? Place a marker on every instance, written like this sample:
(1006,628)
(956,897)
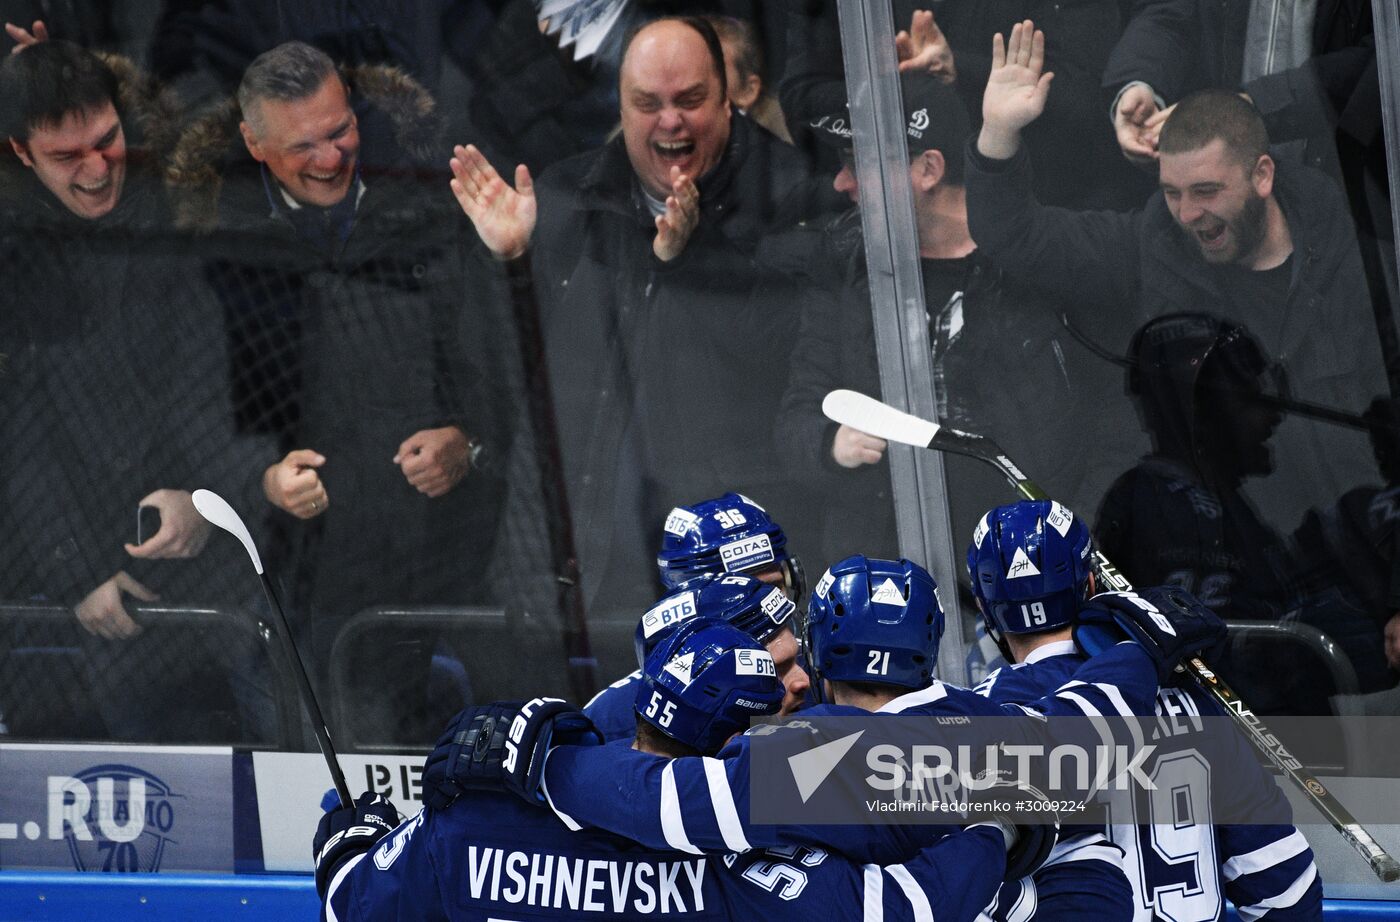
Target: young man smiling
(1231,232)
(78,230)
(81,159)
(1226,216)
(112,388)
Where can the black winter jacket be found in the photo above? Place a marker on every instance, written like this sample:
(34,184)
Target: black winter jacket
(1014,372)
(350,345)
(1123,268)
(666,376)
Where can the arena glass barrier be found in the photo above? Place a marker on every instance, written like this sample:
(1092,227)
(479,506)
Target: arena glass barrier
(626,388)
(1263,489)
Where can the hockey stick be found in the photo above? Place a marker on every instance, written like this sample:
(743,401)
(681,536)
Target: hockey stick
(869,415)
(218,512)
(554,490)
(1288,405)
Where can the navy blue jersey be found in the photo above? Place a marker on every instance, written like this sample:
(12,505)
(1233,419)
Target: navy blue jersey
(701,805)
(1083,877)
(1184,869)
(614,709)
(490,856)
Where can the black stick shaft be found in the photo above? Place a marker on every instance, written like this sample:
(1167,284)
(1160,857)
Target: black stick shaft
(1316,411)
(563,552)
(308,695)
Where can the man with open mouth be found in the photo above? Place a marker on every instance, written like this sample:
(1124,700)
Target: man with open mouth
(357,325)
(1235,230)
(665,265)
(112,405)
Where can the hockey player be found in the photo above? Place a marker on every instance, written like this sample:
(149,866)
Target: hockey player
(759,610)
(1031,574)
(730,534)
(490,855)
(703,805)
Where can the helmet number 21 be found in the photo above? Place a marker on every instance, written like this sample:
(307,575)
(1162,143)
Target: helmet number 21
(879,663)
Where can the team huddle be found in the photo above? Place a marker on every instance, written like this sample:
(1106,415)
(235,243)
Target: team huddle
(639,804)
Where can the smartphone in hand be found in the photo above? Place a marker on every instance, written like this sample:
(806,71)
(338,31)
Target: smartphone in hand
(147,523)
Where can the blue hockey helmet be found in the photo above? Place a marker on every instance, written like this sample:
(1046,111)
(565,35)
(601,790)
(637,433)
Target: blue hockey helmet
(873,620)
(1030,564)
(757,609)
(729,534)
(705,681)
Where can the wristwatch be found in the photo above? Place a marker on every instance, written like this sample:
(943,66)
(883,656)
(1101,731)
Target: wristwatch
(475,449)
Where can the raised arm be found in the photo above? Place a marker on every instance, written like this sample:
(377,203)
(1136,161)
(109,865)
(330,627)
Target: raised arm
(504,215)
(1076,255)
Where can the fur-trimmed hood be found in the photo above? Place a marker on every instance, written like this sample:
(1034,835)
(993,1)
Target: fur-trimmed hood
(399,128)
(151,112)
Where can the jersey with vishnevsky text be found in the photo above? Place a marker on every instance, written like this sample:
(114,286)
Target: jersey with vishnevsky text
(492,857)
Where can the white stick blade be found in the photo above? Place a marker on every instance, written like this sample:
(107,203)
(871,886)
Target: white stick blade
(217,510)
(854,409)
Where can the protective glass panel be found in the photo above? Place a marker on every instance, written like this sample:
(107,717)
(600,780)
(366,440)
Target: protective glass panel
(1172,308)
(495,321)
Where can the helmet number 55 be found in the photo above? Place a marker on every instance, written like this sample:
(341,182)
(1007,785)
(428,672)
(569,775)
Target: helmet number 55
(668,711)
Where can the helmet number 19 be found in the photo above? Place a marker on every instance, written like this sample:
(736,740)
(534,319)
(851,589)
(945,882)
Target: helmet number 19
(1033,613)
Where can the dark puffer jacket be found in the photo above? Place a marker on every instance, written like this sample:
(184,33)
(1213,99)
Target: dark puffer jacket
(113,384)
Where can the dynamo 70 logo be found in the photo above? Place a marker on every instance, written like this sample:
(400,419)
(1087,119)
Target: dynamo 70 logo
(113,817)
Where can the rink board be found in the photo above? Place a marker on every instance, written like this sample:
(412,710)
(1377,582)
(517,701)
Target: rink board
(155,833)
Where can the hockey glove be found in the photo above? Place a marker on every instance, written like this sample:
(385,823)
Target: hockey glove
(1169,623)
(468,754)
(503,746)
(1026,817)
(542,724)
(349,831)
